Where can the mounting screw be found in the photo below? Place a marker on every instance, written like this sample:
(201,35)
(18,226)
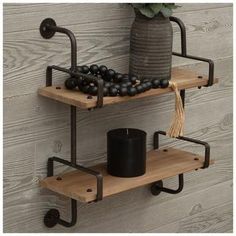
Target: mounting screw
(51,218)
(45,30)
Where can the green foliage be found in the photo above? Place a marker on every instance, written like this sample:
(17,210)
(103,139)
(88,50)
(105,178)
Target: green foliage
(152,9)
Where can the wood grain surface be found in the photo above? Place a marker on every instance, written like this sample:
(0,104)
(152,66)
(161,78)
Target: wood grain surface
(184,79)
(36,128)
(161,164)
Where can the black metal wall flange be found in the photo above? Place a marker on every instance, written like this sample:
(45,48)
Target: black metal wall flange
(52,217)
(45,30)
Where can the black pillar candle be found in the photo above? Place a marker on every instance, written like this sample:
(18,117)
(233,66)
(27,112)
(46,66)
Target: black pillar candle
(126,152)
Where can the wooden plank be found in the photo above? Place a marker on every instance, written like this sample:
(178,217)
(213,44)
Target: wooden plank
(160,165)
(183,78)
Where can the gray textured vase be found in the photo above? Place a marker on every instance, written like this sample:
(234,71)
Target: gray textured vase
(151,47)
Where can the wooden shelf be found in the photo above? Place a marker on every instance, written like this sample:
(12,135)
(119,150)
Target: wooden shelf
(161,164)
(184,78)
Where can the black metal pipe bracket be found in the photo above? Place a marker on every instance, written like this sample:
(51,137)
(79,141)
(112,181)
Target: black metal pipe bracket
(157,187)
(205,144)
(184,51)
(47,29)
(52,217)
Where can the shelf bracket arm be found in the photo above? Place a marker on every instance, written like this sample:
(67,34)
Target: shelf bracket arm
(185,55)
(47,30)
(157,187)
(205,144)
(52,217)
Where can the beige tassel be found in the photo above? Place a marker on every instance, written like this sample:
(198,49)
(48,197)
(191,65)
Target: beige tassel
(177,124)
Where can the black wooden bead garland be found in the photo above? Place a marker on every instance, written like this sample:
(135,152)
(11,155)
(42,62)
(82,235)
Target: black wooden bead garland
(114,83)
(123,84)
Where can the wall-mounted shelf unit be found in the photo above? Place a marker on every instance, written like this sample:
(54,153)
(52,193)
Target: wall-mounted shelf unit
(94,183)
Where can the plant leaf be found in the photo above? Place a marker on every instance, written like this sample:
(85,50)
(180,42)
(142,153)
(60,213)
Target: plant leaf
(155,7)
(166,12)
(147,12)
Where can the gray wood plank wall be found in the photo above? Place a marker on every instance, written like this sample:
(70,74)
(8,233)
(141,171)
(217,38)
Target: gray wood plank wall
(36,128)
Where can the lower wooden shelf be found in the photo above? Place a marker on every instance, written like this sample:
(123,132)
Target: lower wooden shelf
(161,164)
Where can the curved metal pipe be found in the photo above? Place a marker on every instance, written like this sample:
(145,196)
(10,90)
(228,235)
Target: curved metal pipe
(183,34)
(173,191)
(73,215)
(72,41)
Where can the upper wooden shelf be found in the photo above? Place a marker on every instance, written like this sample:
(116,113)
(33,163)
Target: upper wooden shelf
(161,164)
(184,78)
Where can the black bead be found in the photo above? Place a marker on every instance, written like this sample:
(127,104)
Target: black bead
(133,79)
(132,91)
(156,83)
(126,84)
(85,69)
(123,85)
(105,91)
(118,77)
(164,83)
(71,83)
(125,79)
(110,74)
(85,88)
(79,69)
(79,81)
(108,84)
(94,69)
(149,85)
(123,91)
(139,88)
(113,91)
(117,86)
(102,69)
(93,90)
(84,82)
(144,87)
